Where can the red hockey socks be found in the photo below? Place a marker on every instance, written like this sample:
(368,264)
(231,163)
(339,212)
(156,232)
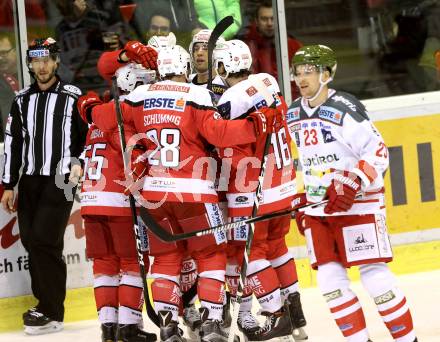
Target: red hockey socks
(130,299)
(106,297)
(285,268)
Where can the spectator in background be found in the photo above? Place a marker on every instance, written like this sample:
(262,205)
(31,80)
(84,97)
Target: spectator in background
(160,25)
(261,40)
(8,73)
(34,12)
(81,35)
(432,44)
(210,12)
(180,14)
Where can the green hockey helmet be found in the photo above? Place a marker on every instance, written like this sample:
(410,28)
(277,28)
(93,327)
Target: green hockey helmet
(319,55)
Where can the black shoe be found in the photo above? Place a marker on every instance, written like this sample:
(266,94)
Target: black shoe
(25,314)
(132,333)
(108,332)
(169,329)
(36,323)
(211,330)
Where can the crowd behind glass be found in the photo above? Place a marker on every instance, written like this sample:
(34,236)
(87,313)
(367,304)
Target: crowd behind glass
(384,47)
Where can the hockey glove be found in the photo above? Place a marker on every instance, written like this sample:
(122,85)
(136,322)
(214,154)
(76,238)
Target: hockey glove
(138,169)
(266,121)
(300,221)
(141,54)
(342,192)
(299,200)
(86,104)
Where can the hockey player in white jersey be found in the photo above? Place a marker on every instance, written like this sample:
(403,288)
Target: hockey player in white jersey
(198,50)
(271,272)
(344,158)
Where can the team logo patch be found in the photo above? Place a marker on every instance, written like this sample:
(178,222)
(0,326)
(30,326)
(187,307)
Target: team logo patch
(330,114)
(292,114)
(327,135)
(72,89)
(251,91)
(165,103)
(225,110)
(267,82)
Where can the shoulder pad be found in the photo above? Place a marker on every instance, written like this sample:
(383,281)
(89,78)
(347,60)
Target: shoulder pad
(350,105)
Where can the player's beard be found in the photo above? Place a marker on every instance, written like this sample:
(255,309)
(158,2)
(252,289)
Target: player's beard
(43,79)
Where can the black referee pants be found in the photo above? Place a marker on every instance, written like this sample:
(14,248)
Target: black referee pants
(43,212)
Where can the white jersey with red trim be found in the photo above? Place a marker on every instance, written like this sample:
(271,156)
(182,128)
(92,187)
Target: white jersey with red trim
(101,193)
(338,135)
(279,184)
(179,122)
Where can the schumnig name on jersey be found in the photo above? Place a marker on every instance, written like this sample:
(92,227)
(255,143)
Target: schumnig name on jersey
(154,119)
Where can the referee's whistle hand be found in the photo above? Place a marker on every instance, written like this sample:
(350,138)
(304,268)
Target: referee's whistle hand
(8,201)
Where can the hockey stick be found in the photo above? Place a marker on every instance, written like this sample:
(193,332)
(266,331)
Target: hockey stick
(150,310)
(258,198)
(215,35)
(168,237)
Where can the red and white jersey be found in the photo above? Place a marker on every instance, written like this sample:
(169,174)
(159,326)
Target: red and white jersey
(338,135)
(279,184)
(102,192)
(178,121)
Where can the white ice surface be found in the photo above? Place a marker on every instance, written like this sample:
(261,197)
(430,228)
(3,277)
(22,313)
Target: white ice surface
(422,291)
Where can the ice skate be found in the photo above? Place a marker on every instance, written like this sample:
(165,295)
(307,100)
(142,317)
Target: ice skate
(211,330)
(247,324)
(132,333)
(169,329)
(191,319)
(36,323)
(277,328)
(297,318)
(227,319)
(108,332)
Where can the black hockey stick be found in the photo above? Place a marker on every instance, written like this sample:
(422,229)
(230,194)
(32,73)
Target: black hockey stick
(258,198)
(150,310)
(221,27)
(168,237)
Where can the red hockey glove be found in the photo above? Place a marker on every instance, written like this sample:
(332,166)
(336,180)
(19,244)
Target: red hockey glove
(342,192)
(85,105)
(300,221)
(267,120)
(299,200)
(139,168)
(141,54)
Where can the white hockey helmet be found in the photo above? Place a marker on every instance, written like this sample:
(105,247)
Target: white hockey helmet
(202,37)
(132,75)
(235,56)
(159,42)
(173,60)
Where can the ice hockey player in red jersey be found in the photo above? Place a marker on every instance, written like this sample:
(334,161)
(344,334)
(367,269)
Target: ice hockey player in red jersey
(178,122)
(271,272)
(110,240)
(344,158)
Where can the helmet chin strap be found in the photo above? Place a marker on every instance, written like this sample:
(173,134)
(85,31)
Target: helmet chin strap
(322,84)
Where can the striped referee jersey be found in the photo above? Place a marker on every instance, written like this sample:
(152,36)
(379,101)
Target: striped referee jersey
(43,132)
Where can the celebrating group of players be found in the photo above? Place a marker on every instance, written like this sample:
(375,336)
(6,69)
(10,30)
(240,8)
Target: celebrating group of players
(196,157)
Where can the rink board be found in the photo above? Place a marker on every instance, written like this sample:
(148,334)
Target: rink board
(413,137)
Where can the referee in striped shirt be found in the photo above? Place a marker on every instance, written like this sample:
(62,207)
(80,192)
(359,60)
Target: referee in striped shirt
(43,133)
